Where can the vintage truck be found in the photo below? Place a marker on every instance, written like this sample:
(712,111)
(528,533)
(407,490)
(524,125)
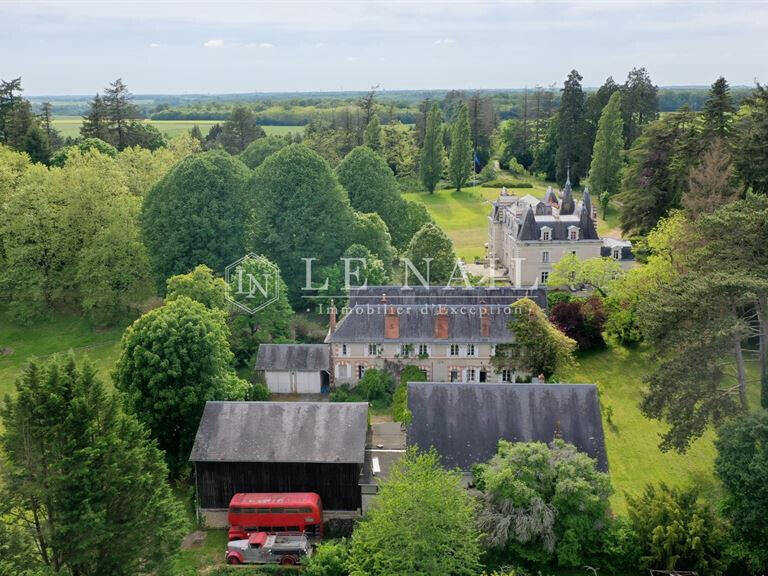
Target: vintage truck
(263,548)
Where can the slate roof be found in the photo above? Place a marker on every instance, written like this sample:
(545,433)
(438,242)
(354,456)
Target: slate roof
(417,309)
(316,432)
(530,229)
(298,357)
(464,422)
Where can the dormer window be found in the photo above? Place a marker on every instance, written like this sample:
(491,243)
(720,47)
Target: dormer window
(573,232)
(546,233)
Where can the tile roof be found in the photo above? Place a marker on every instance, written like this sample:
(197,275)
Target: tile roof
(299,357)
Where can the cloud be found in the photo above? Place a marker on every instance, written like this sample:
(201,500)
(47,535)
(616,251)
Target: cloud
(214,43)
(266,45)
(154,45)
(353,59)
(445,41)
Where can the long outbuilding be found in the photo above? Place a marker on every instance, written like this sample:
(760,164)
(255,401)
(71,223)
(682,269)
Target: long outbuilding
(464,422)
(279,447)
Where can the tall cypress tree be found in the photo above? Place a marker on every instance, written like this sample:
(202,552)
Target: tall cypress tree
(718,109)
(431,167)
(460,163)
(572,137)
(605,171)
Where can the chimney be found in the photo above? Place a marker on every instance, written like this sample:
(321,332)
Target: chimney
(391,324)
(441,323)
(485,323)
(332,319)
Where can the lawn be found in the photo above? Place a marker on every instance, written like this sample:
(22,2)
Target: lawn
(59,334)
(464,215)
(631,439)
(70,126)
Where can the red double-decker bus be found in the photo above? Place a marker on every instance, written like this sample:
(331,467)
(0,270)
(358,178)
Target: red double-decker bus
(290,512)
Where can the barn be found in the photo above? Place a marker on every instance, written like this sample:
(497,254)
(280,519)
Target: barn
(279,447)
(294,368)
(464,422)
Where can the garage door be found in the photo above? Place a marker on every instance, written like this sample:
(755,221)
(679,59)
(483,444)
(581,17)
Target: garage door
(307,382)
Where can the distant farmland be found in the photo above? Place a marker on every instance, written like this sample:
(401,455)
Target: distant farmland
(70,126)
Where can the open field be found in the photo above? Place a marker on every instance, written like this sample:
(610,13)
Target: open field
(464,215)
(70,126)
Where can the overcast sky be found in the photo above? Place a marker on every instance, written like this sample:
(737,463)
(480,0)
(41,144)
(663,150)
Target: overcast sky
(200,47)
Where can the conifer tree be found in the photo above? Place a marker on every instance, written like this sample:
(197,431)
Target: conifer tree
(572,138)
(718,109)
(640,103)
(432,152)
(750,150)
(605,171)
(120,110)
(460,162)
(372,136)
(96,122)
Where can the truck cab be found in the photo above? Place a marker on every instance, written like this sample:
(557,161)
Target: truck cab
(263,548)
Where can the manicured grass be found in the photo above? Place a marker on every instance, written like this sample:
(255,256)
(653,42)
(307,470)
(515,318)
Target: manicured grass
(464,215)
(632,441)
(58,334)
(70,126)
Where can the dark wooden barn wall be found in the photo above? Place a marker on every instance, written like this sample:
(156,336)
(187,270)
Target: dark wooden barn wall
(337,484)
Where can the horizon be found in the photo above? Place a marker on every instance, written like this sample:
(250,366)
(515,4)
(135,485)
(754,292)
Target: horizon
(299,47)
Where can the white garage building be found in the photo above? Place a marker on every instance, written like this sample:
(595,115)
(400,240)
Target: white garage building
(295,368)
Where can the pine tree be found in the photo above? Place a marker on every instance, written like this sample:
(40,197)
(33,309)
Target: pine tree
(96,122)
(372,136)
(120,110)
(718,110)
(431,167)
(10,94)
(35,143)
(460,163)
(572,139)
(605,171)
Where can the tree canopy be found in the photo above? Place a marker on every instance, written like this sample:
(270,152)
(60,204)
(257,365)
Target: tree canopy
(460,163)
(605,171)
(196,215)
(172,360)
(432,150)
(431,253)
(421,524)
(80,477)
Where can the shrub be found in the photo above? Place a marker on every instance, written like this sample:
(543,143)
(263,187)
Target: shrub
(554,298)
(503,182)
(400,412)
(676,530)
(581,320)
(329,559)
(258,392)
(376,387)
(488,173)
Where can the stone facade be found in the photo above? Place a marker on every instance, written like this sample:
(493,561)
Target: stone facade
(526,236)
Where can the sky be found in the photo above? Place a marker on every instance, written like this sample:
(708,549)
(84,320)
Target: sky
(173,47)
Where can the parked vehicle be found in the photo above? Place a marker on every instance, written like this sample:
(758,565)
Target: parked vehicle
(275,513)
(263,548)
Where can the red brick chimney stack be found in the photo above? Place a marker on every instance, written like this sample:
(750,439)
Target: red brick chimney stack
(332,319)
(442,326)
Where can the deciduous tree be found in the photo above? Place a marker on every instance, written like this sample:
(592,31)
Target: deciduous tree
(196,215)
(432,151)
(431,253)
(460,163)
(172,360)
(542,503)
(539,347)
(422,523)
(605,171)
